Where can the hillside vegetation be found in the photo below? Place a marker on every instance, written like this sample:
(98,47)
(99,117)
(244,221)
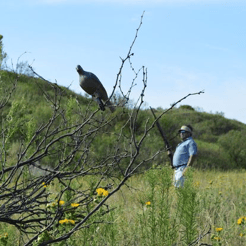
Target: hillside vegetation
(221,142)
(74,175)
(68,168)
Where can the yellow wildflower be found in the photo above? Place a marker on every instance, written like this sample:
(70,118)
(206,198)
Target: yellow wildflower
(148,203)
(66,221)
(239,221)
(219,229)
(99,191)
(62,221)
(241,234)
(74,205)
(44,185)
(61,203)
(71,222)
(6,235)
(102,192)
(217,238)
(105,193)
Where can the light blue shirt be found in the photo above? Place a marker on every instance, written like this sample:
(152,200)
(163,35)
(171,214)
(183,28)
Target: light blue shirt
(183,152)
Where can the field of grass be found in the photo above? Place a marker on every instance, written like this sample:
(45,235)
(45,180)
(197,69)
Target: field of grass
(40,116)
(150,211)
(215,199)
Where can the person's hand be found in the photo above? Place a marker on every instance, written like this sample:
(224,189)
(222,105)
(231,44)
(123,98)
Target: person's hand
(169,152)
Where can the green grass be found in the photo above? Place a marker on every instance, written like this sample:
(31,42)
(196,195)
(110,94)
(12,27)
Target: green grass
(211,198)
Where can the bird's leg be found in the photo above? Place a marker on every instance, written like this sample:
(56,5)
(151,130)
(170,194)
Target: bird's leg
(100,103)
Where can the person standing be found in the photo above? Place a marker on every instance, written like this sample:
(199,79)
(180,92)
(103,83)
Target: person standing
(184,155)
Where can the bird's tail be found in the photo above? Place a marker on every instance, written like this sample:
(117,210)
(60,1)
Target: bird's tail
(110,105)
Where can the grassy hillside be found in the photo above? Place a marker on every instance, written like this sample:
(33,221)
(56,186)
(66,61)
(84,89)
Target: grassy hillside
(79,150)
(221,141)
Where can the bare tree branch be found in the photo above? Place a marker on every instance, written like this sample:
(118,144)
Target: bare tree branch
(63,150)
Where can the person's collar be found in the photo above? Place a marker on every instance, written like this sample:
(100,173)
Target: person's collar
(186,139)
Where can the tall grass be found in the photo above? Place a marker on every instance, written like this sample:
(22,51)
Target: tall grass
(150,211)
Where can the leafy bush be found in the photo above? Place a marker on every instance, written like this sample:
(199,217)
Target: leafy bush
(187,107)
(234,143)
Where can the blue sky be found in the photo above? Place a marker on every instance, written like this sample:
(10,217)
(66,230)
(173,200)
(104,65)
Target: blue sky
(186,45)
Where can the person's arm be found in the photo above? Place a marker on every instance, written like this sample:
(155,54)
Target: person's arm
(189,163)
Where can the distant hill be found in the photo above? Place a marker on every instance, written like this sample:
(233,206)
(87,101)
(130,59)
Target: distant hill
(221,142)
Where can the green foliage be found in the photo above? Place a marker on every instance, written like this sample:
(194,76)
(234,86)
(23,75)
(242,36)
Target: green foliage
(219,203)
(3,55)
(158,222)
(188,209)
(43,237)
(4,239)
(187,107)
(209,129)
(234,145)
(28,109)
(17,121)
(72,109)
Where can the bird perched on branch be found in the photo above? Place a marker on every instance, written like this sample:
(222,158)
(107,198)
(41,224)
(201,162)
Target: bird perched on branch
(93,86)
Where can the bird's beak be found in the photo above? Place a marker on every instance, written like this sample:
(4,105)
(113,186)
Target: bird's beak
(79,69)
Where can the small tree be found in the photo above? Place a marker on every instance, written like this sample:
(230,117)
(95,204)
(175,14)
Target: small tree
(234,144)
(3,55)
(40,191)
(57,184)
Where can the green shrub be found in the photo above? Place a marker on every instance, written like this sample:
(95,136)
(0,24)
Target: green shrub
(234,143)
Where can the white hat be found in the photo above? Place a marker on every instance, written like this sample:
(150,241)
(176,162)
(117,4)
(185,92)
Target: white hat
(185,128)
